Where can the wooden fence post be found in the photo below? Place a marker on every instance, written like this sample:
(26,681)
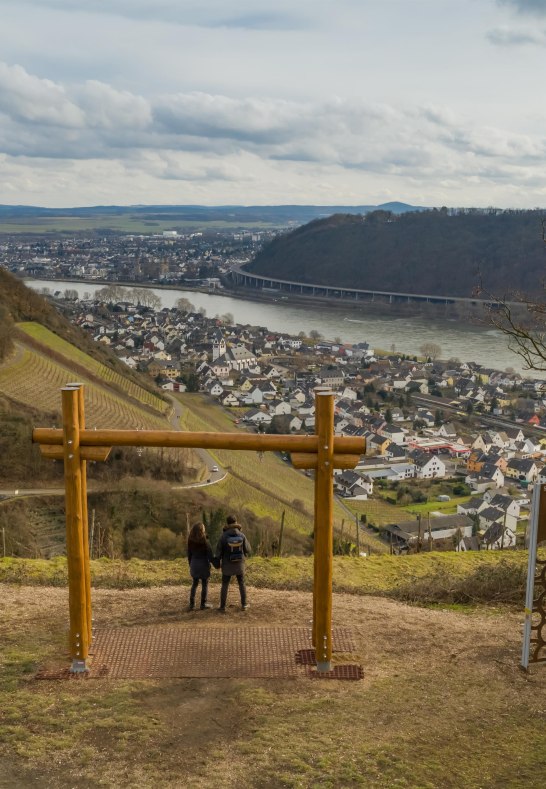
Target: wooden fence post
(75,555)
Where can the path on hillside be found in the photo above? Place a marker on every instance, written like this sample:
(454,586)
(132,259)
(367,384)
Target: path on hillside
(209,461)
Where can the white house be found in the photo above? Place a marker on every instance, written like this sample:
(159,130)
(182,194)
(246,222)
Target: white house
(427,466)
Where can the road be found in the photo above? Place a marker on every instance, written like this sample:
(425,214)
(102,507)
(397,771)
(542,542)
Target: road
(208,460)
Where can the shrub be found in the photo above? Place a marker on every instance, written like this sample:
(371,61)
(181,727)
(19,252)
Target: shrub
(501,582)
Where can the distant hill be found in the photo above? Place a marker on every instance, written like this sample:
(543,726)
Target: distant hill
(279,215)
(430,252)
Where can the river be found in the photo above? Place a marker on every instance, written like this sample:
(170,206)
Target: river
(456,338)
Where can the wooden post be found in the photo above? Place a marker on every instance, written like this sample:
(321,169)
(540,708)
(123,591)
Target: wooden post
(324,510)
(85,517)
(281,533)
(77,597)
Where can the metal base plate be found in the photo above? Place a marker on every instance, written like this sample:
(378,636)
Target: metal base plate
(172,651)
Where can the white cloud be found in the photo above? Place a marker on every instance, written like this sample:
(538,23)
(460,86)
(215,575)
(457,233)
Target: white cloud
(27,98)
(106,107)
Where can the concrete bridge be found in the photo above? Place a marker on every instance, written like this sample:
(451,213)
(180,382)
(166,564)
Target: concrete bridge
(272,286)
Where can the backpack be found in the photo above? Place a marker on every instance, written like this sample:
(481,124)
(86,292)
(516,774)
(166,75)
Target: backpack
(235,547)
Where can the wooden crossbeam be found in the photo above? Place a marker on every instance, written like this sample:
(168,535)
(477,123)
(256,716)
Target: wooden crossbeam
(55,452)
(172,438)
(310,460)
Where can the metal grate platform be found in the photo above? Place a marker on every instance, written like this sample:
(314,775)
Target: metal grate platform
(346,671)
(177,651)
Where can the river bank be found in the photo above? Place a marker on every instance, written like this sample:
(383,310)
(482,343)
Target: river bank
(458,336)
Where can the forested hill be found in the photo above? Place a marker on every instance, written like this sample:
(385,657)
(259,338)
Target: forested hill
(430,252)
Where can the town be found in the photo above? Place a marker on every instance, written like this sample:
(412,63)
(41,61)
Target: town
(438,433)
(193,259)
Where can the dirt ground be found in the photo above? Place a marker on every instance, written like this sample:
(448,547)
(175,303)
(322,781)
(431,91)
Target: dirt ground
(442,704)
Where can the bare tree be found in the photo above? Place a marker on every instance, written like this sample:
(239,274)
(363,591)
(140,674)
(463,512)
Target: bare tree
(184,305)
(523,321)
(431,350)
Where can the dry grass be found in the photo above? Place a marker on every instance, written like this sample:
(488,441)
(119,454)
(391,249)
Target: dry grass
(443,704)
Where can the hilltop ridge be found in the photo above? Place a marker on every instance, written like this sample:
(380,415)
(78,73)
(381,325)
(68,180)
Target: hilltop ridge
(422,252)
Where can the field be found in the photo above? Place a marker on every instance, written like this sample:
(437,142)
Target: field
(121,224)
(73,354)
(265,484)
(442,704)
(35,380)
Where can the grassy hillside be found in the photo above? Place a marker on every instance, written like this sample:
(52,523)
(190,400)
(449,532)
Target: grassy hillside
(265,483)
(44,354)
(413,253)
(22,304)
(35,380)
(76,357)
(443,577)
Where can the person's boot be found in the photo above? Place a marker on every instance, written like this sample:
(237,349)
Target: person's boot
(205,605)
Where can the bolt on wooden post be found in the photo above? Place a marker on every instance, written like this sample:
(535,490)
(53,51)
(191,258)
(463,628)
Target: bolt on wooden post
(75,551)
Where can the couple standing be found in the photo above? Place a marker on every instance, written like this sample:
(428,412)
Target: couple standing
(230,554)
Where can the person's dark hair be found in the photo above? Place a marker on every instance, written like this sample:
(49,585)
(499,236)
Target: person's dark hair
(197,537)
(231,520)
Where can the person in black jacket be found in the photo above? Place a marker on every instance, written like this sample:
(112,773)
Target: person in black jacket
(199,558)
(231,550)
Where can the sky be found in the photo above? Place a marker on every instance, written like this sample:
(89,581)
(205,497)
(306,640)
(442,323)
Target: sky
(267,102)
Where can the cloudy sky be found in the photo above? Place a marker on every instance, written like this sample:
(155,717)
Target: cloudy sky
(432,102)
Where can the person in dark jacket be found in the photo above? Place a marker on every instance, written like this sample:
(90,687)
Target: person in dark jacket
(199,558)
(231,550)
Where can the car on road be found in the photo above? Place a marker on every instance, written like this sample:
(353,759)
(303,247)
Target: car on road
(214,469)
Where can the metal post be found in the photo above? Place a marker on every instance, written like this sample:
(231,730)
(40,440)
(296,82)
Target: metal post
(324,529)
(531,569)
(357,536)
(77,597)
(317,391)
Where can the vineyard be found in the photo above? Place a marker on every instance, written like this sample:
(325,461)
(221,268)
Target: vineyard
(262,482)
(73,354)
(36,381)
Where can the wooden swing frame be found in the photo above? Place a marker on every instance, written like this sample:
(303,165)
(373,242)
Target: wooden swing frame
(75,445)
